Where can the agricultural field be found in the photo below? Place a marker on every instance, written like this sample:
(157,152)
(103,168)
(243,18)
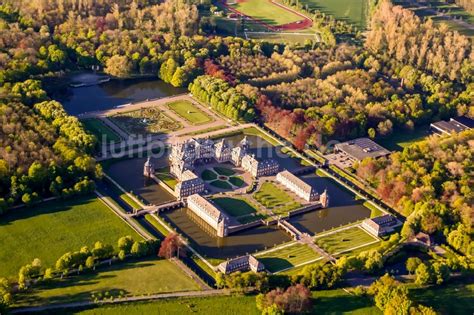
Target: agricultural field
(272,197)
(145,121)
(266,12)
(68,224)
(189,112)
(287,257)
(344,240)
(122,279)
(99,129)
(352,11)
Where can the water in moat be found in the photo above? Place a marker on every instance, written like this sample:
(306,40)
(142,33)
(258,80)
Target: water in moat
(205,241)
(129,174)
(110,94)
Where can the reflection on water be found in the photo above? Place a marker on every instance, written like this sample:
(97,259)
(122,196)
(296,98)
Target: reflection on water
(113,93)
(129,174)
(206,243)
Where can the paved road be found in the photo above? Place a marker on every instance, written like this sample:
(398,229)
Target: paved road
(119,300)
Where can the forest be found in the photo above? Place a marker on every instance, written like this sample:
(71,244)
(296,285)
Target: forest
(429,182)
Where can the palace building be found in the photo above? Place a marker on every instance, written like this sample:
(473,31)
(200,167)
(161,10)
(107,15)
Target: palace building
(243,263)
(207,211)
(190,184)
(298,186)
(381,225)
(259,168)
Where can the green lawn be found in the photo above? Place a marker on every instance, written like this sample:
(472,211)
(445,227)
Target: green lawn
(125,279)
(224,171)
(401,139)
(234,207)
(352,11)
(344,240)
(236,181)
(274,198)
(287,257)
(452,298)
(164,175)
(267,12)
(208,175)
(221,184)
(190,112)
(49,230)
(98,128)
(216,305)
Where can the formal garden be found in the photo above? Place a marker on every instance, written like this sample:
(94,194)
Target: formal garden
(275,199)
(287,256)
(189,112)
(222,178)
(145,121)
(239,208)
(345,240)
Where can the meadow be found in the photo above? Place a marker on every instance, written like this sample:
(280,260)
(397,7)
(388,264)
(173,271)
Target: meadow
(190,112)
(344,240)
(122,279)
(49,230)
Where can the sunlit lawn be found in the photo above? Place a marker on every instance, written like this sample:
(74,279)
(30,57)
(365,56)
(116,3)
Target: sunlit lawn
(189,112)
(287,257)
(344,240)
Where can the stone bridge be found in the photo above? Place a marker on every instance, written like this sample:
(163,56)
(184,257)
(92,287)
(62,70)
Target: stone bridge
(163,207)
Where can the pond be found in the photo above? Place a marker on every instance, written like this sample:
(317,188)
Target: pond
(110,94)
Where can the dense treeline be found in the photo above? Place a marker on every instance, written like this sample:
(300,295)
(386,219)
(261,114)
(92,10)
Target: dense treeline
(222,97)
(431,183)
(468,5)
(43,151)
(398,34)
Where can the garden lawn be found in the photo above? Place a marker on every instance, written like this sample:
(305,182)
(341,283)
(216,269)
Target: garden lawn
(236,181)
(234,207)
(224,171)
(190,112)
(287,257)
(221,184)
(125,279)
(98,128)
(208,175)
(344,240)
(165,176)
(145,121)
(266,11)
(272,197)
(49,230)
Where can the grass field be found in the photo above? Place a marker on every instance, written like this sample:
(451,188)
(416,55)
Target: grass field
(352,11)
(208,175)
(401,139)
(125,279)
(234,207)
(189,112)
(454,298)
(99,129)
(344,240)
(324,302)
(267,12)
(26,234)
(287,257)
(272,197)
(236,181)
